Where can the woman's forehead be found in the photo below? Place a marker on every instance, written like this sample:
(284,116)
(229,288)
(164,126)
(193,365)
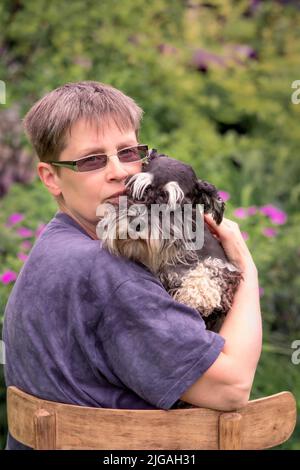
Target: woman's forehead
(99,128)
(90,136)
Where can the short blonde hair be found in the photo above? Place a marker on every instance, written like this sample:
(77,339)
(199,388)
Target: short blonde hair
(48,121)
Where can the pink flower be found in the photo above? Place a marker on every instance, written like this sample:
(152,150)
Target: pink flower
(240,213)
(245,235)
(24,232)
(39,230)
(267,210)
(26,245)
(8,276)
(252,210)
(276,215)
(269,232)
(224,195)
(14,219)
(22,256)
(279,218)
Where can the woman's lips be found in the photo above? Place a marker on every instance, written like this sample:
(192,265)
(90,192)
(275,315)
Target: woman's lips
(115,198)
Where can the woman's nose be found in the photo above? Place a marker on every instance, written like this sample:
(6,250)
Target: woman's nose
(115,169)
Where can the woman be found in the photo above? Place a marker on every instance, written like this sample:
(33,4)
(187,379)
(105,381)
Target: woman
(84,327)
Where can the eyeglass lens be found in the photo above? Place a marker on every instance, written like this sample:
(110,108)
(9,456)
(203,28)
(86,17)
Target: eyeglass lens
(130,155)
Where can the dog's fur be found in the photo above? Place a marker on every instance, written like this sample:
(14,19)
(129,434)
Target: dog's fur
(203,279)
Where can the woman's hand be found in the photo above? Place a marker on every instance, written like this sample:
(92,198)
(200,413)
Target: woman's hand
(229,235)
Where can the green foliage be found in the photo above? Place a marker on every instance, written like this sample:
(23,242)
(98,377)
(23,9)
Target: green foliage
(235,123)
(37,207)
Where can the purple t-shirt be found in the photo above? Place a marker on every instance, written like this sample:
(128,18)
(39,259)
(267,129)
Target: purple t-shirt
(85,327)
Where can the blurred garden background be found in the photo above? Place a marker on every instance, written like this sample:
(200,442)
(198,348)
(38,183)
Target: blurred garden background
(215,81)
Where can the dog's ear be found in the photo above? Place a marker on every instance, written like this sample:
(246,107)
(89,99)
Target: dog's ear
(207,195)
(153,154)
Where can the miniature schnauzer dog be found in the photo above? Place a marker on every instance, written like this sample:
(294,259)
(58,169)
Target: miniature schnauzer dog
(201,277)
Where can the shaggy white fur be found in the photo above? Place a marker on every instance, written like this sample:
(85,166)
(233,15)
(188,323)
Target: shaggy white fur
(141,182)
(175,192)
(201,288)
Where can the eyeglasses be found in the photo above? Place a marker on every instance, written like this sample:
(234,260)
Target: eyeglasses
(99,161)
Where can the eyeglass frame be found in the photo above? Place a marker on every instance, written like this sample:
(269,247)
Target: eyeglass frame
(72,164)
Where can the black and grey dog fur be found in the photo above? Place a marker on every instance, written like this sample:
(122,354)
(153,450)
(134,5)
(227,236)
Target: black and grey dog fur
(203,279)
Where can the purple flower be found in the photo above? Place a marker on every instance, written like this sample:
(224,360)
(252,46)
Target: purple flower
(24,232)
(202,59)
(240,213)
(269,232)
(26,245)
(14,219)
(8,276)
(39,230)
(245,235)
(224,195)
(276,215)
(241,52)
(22,256)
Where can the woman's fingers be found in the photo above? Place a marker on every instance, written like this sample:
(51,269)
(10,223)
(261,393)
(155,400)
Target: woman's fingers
(210,227)
(210,221)
(224,228)
(230,236)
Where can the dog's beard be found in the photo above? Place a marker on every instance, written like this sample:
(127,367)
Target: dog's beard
(147,244)
(124,234)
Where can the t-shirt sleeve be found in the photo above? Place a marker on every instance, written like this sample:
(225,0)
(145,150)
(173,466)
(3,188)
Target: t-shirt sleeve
(155,345)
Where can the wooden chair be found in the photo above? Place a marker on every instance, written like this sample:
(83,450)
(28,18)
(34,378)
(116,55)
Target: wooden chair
(43,424)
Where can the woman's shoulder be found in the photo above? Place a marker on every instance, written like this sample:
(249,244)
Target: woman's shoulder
(66,252)
(66,245)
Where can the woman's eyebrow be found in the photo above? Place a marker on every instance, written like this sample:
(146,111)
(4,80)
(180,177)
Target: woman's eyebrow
(94,150)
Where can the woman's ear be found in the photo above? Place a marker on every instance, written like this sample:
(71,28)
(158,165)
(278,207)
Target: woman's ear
(207,195)
(49,178)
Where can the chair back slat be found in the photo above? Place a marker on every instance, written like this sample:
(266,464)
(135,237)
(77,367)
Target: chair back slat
(39,423)
(44,429)
(230,431)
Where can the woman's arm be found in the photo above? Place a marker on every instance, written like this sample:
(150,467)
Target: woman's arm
(227,383)
(242,328)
